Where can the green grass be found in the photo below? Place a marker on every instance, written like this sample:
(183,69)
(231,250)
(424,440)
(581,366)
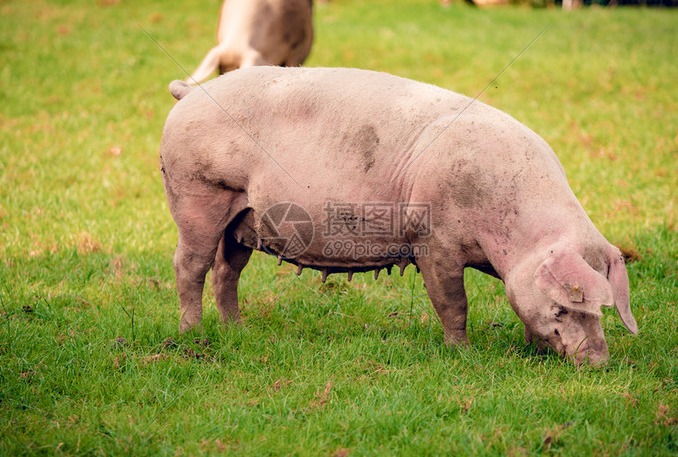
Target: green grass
(91,361)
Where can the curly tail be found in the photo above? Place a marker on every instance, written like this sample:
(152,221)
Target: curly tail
(179,89)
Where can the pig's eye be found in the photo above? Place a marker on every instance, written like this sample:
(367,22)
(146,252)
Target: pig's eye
(561,311)
(556,332)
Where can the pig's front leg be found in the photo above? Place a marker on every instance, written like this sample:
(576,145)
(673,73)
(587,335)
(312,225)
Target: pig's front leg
(445,287)
(231,258)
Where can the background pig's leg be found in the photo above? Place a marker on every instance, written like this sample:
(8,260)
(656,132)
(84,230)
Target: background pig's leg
(208,65)
(297,55)
(231,258)
(445,287)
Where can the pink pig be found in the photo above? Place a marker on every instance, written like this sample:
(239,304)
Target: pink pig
(254,159)
(259,32)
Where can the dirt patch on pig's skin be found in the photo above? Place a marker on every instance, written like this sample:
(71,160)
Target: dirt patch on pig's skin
(365,142)
(204,173)
(468,190)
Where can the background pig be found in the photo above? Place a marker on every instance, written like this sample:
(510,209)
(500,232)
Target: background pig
(259,32)
(497,195)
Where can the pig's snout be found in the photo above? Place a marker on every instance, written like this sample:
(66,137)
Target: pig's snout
(595,352)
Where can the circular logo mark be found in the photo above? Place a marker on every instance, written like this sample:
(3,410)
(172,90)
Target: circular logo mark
(287,230)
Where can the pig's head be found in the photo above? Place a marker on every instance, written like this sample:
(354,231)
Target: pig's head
(558,296)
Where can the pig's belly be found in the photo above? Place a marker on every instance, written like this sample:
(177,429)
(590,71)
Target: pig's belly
(332,243)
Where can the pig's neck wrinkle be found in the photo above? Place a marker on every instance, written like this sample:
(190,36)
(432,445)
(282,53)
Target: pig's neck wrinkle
(505,246)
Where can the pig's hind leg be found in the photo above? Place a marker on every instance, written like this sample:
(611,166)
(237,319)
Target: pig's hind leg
(201,220)
(231,258)
(192,260)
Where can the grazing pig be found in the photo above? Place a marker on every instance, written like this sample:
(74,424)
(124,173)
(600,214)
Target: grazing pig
(259,32)
(345,170)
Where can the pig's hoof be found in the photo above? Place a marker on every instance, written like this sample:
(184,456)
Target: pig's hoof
(186,326)
(230,320)
(457,339)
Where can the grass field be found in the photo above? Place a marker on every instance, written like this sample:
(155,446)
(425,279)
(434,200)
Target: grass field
(91,361)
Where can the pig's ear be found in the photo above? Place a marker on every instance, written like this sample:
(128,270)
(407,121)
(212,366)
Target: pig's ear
(566,278)
(619,280)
